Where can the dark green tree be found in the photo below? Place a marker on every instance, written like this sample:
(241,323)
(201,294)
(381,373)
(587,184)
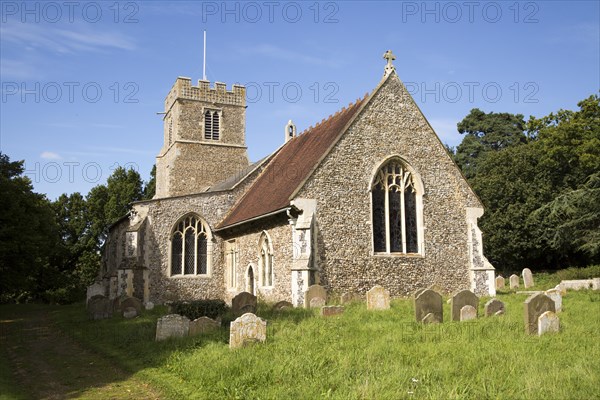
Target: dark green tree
(150,186)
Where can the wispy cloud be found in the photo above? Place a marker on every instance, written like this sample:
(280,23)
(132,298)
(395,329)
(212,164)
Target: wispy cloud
(49,155)
(55,39)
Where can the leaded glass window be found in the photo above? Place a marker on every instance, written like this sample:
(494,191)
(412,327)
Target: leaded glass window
(394,212)
(189,247)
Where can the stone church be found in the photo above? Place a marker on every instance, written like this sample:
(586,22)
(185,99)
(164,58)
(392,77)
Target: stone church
(368,196)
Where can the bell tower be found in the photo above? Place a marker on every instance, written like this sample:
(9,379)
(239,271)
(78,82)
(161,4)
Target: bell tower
(204,137)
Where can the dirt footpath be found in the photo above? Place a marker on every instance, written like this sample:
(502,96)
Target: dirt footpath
(49,365)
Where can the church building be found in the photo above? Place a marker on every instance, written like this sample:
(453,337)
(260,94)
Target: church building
(368,196)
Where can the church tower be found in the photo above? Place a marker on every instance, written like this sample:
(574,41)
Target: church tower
(204,137)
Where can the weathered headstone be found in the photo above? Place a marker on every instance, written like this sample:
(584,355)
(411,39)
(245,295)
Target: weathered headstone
(430,318)
(468,313)
(243,303)
(579,284)
(96,289)
(429,302)
(130,312)
(203,325)
(149,305)
(535,306)
(548,322)
(527,278)
(328,311)
(282,305)
(172,325)
(493,307)
(317,302)
(247,329)
(346,298)
(132,302)
(461,299)
(99,307)
(500,282)
(315,291)
(514,281)
(378,298)
(555,295)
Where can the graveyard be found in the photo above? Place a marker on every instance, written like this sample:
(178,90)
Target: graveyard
(359,350)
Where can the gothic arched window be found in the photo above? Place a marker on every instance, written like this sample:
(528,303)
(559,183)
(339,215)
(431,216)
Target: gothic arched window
(394,202)
(265,249)
(190,242)
(212,124)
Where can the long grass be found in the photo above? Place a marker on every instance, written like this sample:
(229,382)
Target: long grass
(364,354)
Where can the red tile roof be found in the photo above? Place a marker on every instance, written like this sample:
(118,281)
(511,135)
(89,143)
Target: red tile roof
(289,168)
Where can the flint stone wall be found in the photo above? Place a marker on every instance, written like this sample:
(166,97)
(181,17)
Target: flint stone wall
(341,186)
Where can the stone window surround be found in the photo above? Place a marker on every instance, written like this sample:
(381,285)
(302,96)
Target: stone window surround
(418,184)
(209,249)
(203,120)
(265,241)
(247,287)
(231,263)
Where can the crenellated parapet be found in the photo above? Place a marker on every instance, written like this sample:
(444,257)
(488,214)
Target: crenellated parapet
(183,89)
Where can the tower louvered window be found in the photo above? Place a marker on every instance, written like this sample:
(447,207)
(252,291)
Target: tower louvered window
(189,247)
(394,212)
(212,125)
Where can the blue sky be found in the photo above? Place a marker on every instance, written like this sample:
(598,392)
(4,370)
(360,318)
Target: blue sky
(82,82)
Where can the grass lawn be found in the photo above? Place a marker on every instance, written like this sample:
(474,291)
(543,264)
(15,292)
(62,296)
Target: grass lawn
(360,354)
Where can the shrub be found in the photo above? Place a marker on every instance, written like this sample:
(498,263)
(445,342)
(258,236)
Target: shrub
(200,308)
(593,271)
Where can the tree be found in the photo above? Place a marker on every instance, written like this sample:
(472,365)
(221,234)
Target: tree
(28,234)
(150,187)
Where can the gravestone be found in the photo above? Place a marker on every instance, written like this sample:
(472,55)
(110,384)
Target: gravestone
(429,302)
(500,282)
(493,307)
(555,295)
(468,313)
(328,311)
(133,302)
(317,302)
(548,322)
(99,307)
(514,281)
(378,298)
(243,303)
(418,292)
(527,278)
(247,329)
(313,292)
(348,298)
(149,306)
(172,325)
(282,305)
(96,289)
(461,299)
(129,312)
(203,325)
(535,306)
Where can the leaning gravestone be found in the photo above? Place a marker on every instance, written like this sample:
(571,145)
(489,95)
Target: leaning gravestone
(527,278)
(328,311)
(378,298)
(468,313)
(172,325)
(500,282)
(203,325)
(555,295)
(313,292)
(247,329)
(429,307)
(132,302)
(548,322)
(243,303)
(493,307)
(99,307)
(535,306)
(282,305)
(514,281)
(461,299)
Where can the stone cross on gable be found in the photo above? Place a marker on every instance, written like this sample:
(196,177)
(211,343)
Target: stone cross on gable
(389,56)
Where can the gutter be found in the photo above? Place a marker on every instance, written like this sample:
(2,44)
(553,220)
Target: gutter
(287,210)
